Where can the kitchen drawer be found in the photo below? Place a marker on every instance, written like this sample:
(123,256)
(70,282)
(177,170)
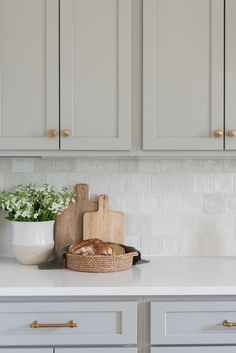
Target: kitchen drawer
(192,323)
(105,323)
(202,349)
(26,350)
(96,350)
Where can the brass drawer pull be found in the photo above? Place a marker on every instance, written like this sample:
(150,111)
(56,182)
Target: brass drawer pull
(70,324)
(228,323)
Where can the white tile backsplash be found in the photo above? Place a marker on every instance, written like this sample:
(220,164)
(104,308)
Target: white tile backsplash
(173,207)
(192,203)
(150,203)
(202,183)
(120,182)
(214,203)
(23,165)
(161,225)
(140,182)
(172,203)
(223,183)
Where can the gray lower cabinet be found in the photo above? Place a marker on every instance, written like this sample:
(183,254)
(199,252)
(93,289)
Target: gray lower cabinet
(96,323)
(26,350)
(202,349)
(185,325)
(193,323)
(69,350)
(96,350)
(193,326)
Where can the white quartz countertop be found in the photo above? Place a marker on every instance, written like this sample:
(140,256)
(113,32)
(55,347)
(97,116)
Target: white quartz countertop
(162,276)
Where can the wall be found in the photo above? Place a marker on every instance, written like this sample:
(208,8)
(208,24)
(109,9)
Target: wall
(173,207)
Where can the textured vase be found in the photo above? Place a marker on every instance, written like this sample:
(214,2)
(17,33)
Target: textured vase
(32,242)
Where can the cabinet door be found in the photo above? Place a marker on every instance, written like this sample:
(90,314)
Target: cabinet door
(230,72)
(183,74)
(98,323)
(96,74)
(192,323)
(26,350)
(96,350)
(29,97)
(202,349)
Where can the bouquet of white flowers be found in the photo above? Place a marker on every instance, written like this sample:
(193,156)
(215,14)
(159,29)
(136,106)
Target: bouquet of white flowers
(33,203)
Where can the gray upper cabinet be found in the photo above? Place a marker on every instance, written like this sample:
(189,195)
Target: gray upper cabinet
(80,95)
(230,78)
(183,74)
(29,100)
(95,74)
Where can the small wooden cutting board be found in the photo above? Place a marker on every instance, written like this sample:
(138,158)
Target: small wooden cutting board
(68,227)
(104,224)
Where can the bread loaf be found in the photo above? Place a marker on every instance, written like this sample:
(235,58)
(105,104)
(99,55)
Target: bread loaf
(96,247)
(103,249)
(117,249)
(74,248)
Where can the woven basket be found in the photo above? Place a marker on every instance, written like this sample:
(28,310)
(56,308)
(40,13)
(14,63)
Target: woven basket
(100,263)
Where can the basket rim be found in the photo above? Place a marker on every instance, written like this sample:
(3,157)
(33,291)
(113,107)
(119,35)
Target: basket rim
(133,253)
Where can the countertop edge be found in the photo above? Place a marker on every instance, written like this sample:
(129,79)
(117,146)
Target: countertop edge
(116,291)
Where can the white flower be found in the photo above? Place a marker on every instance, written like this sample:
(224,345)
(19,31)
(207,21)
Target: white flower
(35,203)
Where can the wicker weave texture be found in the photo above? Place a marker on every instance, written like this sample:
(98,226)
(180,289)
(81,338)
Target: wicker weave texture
(100,263)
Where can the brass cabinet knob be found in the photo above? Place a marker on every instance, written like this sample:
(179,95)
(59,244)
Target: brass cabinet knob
(52,133)
(232,133)
(65,132)
(218,133)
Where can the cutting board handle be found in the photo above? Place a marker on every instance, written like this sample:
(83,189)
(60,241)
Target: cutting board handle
(82,190)
(104,224)
(103,204)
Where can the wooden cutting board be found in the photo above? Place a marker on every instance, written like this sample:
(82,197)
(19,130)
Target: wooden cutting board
(104,224)
(68,227)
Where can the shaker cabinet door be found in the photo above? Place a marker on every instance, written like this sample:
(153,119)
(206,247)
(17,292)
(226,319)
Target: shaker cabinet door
(26,350)
(230,79)
(97,323)
(29,97)
(183,74)
(96,350)
(95,74)
(202,349)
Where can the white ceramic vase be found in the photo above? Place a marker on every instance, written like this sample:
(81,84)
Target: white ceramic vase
(32,242)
